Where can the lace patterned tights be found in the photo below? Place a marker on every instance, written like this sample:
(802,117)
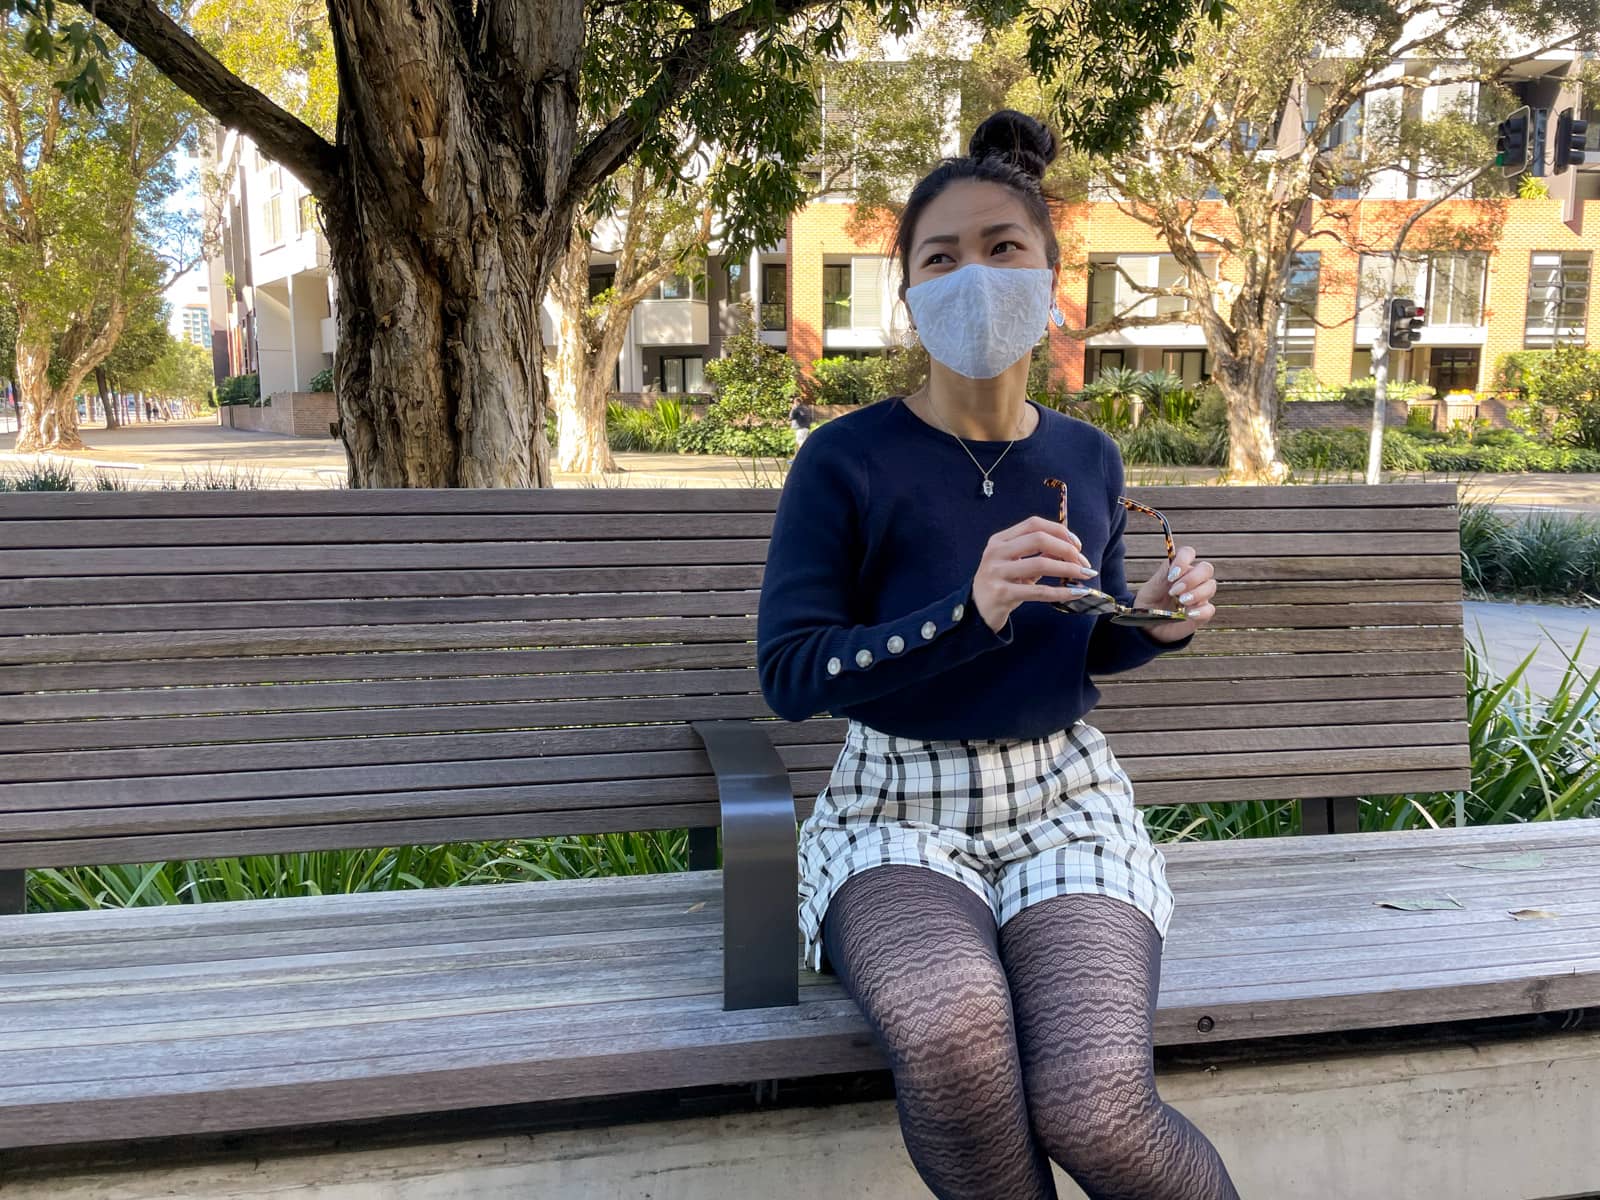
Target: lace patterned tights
(1015,1046)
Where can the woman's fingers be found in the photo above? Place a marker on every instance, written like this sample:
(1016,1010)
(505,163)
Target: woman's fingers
(1047,542)
(1041,565)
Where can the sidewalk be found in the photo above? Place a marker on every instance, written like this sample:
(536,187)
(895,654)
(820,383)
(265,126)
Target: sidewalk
(152,454)
(1508,632)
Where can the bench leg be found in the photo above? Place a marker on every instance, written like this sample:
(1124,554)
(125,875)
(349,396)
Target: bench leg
(1338,815)
(703,849)
(760,869)
(13,892)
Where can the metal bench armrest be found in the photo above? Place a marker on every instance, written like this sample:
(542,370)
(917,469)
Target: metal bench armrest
(760,871)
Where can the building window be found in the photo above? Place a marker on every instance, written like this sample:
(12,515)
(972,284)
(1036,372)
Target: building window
(306,213)
(681,287)
(836,296)
(1298,320)
(197,325)
(1114,286)
(272,220)
(1106,360)
(1361,364)
(774,297)
(738,282)
(601,281)
(1409,282)
(682,373)
(1453,369)
(1192,366)
(1558,300)
(1455,288)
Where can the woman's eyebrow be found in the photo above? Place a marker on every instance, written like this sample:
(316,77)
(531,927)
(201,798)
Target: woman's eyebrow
(951,238)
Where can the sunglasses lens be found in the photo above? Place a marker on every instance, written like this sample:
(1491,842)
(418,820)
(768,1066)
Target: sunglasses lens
(1094,603)
(1148,616)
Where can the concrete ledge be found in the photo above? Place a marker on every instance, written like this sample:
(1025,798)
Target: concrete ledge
(1501,1120)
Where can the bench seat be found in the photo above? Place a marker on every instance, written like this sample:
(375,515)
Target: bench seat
(226,1017)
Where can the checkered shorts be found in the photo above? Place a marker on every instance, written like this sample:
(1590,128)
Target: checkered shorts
(1017,821)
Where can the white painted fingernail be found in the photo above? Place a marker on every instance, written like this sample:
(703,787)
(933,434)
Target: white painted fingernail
(1185,598)
(1077,591)
(1174,573)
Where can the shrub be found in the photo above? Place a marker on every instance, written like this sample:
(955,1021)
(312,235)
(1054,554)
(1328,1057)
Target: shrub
(322,381)
(842,380)
(1109,399)
(756,387)
(629,428)
(1166,396)
(1566,379)
(1159,443)
(1544,554)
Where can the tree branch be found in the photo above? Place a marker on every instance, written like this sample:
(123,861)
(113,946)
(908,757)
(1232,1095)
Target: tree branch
(282,136)
(621,136)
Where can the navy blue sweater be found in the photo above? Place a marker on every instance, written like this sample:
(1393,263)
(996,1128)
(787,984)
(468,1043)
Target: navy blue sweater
(866,604)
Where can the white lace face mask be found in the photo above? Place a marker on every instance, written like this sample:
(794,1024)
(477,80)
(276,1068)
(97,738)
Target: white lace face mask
(978,320)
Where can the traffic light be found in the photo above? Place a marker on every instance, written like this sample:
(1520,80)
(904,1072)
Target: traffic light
(1405,323)
(1570,136)
(1514,148)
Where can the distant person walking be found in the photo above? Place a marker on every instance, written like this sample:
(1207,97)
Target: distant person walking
(800,422)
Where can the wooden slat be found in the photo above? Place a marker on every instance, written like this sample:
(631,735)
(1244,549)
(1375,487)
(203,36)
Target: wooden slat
(407,501)
(227,643)
(303,668)
(337,525)
(282,614)
(518,713)
(360,585)
(211,559)
(1270,677)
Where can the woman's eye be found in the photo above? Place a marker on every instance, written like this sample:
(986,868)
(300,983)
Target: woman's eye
(935,257)
(1000,247)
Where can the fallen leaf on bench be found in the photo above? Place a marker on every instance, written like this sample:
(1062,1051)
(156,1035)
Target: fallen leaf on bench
(696,906)
(1529,914)
(1511,862)
(1416,905)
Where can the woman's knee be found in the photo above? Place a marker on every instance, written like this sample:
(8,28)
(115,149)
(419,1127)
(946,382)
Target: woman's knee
(1094,1125)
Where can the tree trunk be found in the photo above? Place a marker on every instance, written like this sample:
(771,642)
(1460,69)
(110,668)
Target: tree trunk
(49,418)
(444,226)
(1249,384)
(106,401)
(580,371)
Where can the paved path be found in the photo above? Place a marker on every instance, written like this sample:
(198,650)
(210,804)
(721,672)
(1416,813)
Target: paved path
(165,451)
(1509,632)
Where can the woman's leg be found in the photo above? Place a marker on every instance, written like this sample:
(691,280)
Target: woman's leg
(916,950)
(1084,973)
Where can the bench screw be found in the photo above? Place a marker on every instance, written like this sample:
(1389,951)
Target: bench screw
(1205,1024)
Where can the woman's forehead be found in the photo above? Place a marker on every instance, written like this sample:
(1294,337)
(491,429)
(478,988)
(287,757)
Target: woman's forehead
(970,205)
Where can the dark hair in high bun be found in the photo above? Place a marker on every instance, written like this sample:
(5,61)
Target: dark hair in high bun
(1014,137)
(1009,148)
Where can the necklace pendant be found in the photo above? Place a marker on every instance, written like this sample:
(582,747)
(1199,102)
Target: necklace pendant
(988,487)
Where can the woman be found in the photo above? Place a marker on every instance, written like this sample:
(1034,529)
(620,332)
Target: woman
(975,871)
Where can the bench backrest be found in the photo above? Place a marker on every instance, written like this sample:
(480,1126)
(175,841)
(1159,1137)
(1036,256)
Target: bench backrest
(188,674)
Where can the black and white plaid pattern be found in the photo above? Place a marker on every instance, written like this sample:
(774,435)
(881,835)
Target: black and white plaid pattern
(1017,821)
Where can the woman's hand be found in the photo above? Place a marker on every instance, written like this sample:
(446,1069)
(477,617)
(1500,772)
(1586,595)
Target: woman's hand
(1189,584)
(1007,576)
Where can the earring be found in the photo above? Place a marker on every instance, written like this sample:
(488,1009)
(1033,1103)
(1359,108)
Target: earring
(1058,316)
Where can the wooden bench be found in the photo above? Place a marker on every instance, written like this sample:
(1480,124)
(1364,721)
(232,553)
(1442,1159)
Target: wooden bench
(215,674)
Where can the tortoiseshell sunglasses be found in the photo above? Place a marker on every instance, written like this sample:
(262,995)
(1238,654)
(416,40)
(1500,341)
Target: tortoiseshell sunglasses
(1097,603)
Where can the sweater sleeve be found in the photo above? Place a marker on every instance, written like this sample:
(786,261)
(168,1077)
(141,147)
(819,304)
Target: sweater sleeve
(810,654)
(1114,648)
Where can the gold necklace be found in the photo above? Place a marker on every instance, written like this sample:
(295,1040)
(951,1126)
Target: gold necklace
(988,484)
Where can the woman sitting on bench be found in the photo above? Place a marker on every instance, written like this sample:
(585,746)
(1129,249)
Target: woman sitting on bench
(975,870)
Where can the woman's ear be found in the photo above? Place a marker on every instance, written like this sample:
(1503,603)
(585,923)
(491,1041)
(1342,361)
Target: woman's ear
(909,318)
